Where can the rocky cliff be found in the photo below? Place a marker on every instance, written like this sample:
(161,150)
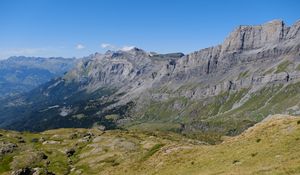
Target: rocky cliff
(218,90)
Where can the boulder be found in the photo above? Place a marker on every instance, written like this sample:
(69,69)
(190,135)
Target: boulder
(7,147)
(70,152)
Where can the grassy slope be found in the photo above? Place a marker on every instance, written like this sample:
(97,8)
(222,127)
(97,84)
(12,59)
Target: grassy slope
(211,118)
(270,147)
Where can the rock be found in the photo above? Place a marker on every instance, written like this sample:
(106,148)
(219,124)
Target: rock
(47,162)
(7,147)
(101,128)
(32,171)
(83,140)
(39,171)
(28,159)
(78,172)
(18,137)
(294,31)
(42,155)
(50,142)
(42,139)
(70,152)
(56,136)
(253,37)
(73,136)
(87,137)
(73,169)
(21,141)
(88,134)
(23,171)
(35,140)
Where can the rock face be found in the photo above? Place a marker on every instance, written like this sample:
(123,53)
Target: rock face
(253,37)
(193,90)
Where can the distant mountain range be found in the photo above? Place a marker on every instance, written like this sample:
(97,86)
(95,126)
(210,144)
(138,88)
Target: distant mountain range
(220,90)
(22,74)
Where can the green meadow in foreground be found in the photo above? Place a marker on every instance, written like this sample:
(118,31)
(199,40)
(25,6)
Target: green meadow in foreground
(269,147)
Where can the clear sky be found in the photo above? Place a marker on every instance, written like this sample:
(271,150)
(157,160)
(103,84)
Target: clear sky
(78,28)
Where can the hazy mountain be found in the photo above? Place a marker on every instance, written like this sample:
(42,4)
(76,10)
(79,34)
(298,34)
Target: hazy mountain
(22,74)
(221,90)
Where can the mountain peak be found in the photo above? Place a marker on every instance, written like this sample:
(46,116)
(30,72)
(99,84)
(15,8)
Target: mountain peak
(247,37)
(131,49)
(134,51)
(128,48)
(275,22)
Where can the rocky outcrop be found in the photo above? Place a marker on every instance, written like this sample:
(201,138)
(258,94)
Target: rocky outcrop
(7,147)
(254,37)
(293,31)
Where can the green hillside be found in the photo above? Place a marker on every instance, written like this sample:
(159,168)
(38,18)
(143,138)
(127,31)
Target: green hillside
(269,147)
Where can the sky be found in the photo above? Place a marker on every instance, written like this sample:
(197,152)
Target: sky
(77,28)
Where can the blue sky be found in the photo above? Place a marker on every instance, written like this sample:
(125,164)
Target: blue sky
(78,28)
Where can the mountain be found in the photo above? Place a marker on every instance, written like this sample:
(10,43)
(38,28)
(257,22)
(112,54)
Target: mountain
(22,74)
(220,90)
(269,147)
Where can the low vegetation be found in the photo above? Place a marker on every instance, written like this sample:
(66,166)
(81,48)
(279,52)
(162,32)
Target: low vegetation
(282,67)
(269,147)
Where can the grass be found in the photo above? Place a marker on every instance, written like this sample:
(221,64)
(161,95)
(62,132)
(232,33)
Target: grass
(208,119)
(233,98)
(5,161)
(59,164)
(256,100)
(270,147)
(156,126)
(283,99)
(243,75)
(276,152)
(298,67)
(269,71)
(282,67)
(152,151)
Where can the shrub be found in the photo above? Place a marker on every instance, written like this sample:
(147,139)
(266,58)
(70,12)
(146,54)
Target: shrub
(254,154)
(235,161)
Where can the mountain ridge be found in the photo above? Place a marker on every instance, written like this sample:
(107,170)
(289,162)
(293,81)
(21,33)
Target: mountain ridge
(19,74)
(206,91)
